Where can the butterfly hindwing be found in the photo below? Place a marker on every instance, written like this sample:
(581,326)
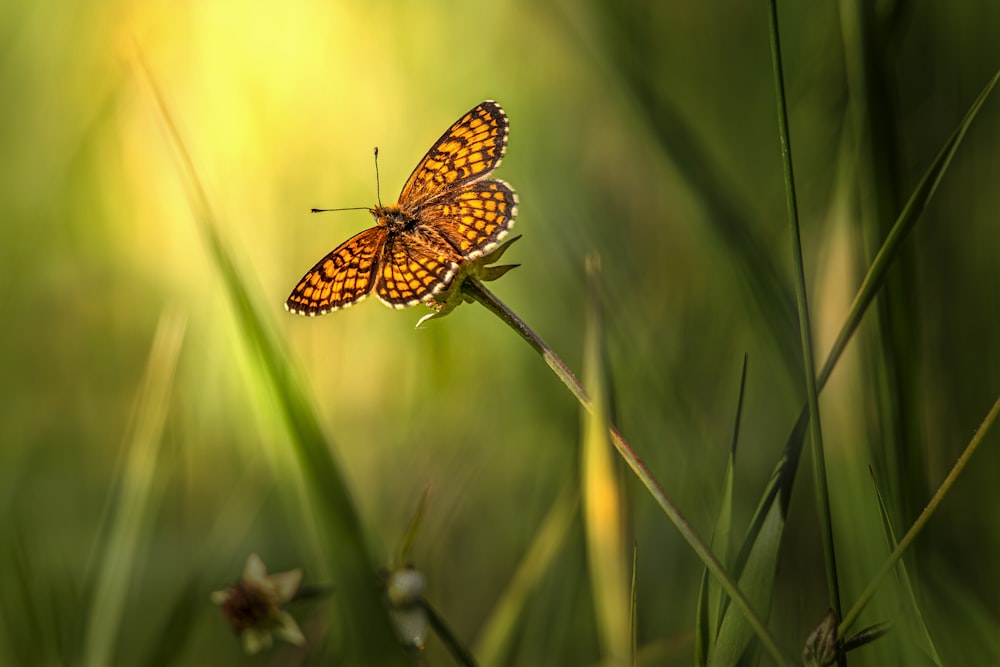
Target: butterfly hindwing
(474,218)
(413,271)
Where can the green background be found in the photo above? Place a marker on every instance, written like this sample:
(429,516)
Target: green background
(644,133)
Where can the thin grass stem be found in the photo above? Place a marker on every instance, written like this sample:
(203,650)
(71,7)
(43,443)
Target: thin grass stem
(475,290)
(456,649)
(805,329)
(921,521)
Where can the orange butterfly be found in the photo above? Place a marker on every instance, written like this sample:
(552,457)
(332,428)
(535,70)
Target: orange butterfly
(449,212)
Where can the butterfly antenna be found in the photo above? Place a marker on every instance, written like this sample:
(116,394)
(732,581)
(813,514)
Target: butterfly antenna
(378,195)
(378,189)
(327,210)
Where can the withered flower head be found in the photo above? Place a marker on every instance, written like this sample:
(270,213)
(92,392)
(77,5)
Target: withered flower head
(481,268)
(254,606)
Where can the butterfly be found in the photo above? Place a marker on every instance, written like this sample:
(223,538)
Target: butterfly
(449,212)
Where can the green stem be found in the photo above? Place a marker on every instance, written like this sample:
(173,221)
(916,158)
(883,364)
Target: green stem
(475,290)
(921,521)
(461,655)
(812,392)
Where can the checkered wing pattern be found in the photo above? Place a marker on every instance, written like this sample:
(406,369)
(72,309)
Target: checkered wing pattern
(469,151)
(448,212)
(412,272)
(342,278)
(474,218)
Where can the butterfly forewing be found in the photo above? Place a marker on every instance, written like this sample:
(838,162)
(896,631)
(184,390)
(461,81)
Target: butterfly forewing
(470,150)
(342,278)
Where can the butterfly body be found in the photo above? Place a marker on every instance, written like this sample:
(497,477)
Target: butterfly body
(394,218)
(448,212)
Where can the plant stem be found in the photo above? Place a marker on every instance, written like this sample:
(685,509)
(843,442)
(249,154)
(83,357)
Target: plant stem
(475,290)
(812,391)
(921,521)
(458,651)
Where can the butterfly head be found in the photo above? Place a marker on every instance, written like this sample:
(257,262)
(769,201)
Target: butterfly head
(393,218)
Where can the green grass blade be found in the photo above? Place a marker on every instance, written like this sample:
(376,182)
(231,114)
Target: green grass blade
(779,488)
(915,617)
(404,555)
(756,581)
(921,521)
(915,206)
(136,498)
(875,177)
(633,608)
(603,498)
(367,633)
(710,594)
(805,324)
(497,635)
(704,623)
(477,292)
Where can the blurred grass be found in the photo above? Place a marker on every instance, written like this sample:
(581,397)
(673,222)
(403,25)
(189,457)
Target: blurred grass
(644,130)
(601,482)
(364,624)
(135,502)
(711,597)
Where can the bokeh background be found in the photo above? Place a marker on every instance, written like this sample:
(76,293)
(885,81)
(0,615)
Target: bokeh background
(644,132)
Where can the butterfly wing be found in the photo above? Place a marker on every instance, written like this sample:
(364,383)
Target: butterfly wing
(473,219)
(461,216)
(412,271)
(469,151)
(342,278)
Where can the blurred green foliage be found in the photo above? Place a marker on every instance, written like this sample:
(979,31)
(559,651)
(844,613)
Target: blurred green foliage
(643,131)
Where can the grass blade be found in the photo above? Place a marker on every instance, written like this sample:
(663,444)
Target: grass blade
(633,609)
(603,499)
(477,292)
(496,637)
(368,635)
(135,501)
(805,325)
(915,617)
(925,516)
(779,488)
(921,196)
(710,595)
(757,582)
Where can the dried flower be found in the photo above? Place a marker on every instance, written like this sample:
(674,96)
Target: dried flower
(254,606)
(477,269)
